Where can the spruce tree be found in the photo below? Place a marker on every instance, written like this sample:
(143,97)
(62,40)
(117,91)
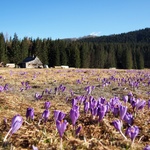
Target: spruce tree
(3,57)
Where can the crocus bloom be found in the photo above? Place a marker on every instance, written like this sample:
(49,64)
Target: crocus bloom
(101,100)
(149,104)
(140,104)
(102,112)
(58,115)
(15,125)
(132,132)
(147,147)
(38,96)
(34,148)
(30,113)
(86,106)
(1,88)
(6,87)
(125,98)
(61,127)
(128,118)
(74,114)
(117,124)
(89,89)
(78,130)
(47,105)
(45,115)
(74,101)
(122,111)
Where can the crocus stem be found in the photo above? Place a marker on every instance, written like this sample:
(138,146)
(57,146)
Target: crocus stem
(123,135)
(132,142)
(61,147)
(39,122)
(7,134)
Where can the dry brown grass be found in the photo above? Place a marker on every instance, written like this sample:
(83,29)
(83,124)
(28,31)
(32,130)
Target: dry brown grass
(45,136)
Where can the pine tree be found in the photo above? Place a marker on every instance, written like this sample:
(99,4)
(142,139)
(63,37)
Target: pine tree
(25,44)
(84,55)
(44,55)
(3,57)
(128,62)
(140,60)
(16,52)
(63,54)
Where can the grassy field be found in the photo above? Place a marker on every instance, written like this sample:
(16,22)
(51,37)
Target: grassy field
(94,135)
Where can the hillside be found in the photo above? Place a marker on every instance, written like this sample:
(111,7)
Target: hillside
(142,35)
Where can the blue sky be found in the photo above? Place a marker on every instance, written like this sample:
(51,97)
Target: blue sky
(72,18)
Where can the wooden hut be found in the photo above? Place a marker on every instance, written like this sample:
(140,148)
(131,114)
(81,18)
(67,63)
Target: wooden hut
(31,62)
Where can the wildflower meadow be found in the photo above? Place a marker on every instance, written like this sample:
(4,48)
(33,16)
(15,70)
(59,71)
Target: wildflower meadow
(74,109)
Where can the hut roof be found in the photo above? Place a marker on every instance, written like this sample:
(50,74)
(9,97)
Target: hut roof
(32,59)
(29,59)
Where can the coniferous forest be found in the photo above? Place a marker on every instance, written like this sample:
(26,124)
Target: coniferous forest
(123,51)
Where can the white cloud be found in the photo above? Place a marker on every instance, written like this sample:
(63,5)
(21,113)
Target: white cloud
(95,33)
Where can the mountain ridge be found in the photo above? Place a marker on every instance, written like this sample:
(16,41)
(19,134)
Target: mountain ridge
(141,35)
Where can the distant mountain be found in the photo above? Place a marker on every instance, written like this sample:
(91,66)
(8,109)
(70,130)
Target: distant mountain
(80,38)
(138,36)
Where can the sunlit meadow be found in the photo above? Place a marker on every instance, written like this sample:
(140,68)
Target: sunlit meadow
(74,109)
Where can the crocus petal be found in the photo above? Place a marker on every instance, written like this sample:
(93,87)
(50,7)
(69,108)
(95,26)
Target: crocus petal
(132,132)
(117,124)
(61,127)
(16,123)
(123,111)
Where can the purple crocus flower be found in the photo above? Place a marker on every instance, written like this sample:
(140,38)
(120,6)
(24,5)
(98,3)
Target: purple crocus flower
(58,115)
(74,101)
(45,116)
(39,96)
(102,112)
(6,87)
(30,113)
(149,104)
(1,88)
(118,125)
(125,98)
(132,132)
(128,118)
(78,130)
(114,105)
(78,81)
(147,147)
(15,125)
(140,104)
(47,105)
(61,127)
(101,100)
(89,89)
(34,148)
(122,111)
(74,114)
(86,106)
